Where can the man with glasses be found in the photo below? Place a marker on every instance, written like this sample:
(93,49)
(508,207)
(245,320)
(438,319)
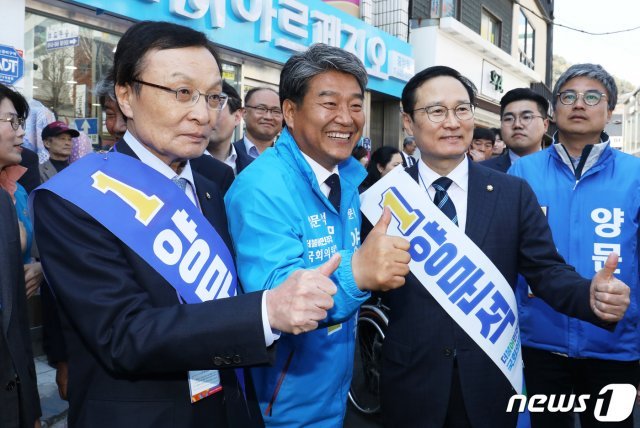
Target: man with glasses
(433,373)
(590,193)
(140,259)
(523,123)
(263,122)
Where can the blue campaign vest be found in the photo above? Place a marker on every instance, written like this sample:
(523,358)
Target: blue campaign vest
(154,218)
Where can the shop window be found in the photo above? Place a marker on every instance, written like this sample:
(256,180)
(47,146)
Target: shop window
(65,61)
(526,41)
(490,27)
(444,8)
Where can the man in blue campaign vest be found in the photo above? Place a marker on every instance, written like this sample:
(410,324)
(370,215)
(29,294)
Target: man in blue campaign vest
(295,207)
(433,373)
(135,246)
(590,193)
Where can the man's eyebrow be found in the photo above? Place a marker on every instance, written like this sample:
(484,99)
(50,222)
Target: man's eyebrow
(328,93)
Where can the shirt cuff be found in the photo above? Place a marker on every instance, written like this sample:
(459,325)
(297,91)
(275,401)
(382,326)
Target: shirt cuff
(270,335)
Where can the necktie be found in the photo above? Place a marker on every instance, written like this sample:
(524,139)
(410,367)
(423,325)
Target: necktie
(442,199)
(410,160)
(180,182)
(334,195)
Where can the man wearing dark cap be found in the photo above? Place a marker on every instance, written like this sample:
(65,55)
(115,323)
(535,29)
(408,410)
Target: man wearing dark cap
(56,137)
(524,121)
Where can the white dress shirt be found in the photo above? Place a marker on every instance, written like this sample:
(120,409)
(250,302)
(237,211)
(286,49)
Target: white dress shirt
(458,191)
(230,159)
(154,162)
(321,174)
(251,148)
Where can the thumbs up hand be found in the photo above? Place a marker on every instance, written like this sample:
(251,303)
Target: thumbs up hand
(303,299)
(382,261)
(609,296)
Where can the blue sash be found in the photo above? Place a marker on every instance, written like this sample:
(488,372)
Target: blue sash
(154,218)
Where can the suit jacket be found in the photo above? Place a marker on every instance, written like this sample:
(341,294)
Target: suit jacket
(31,179)
(500,163)
(422,339)
(130,341)
(47,170)
(19,400)
(405,159)
(215,170)
(243,159)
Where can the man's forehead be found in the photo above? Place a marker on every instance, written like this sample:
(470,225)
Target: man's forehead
(266,97)
(520,106)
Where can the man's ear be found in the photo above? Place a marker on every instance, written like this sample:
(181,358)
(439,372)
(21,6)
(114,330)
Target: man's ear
(288,111)
(237,116)
(407,124)
(124,94)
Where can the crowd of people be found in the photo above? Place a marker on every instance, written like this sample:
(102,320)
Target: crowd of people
(192,280)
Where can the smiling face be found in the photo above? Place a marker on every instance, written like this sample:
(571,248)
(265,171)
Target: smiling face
(580,120)
(442,145)
(328,122)
(172,131)
(263,127)
(10,139)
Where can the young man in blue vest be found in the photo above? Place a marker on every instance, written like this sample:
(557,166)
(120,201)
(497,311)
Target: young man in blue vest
(590,193)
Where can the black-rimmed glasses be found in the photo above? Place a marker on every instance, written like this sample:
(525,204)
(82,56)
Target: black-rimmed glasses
(439,114)
(525,119)
(190,97)
(16,122)
(590,98)
(263,111)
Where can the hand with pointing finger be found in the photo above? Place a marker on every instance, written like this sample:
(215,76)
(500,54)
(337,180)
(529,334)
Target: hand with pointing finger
(382,261)
(303,299)
(609,296)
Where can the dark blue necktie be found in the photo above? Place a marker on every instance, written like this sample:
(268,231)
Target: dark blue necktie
(442,199)
(335,194)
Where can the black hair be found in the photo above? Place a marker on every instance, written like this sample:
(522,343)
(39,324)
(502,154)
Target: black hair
(381,156)
(359,152)
(521,94)
(146,36)
(19,102)
(234,101)
(484,134)
(409,91)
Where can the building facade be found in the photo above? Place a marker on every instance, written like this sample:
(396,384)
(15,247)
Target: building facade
(631,123)
(67,46)
(498,44)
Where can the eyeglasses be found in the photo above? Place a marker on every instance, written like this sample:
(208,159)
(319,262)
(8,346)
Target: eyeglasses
(590,98)
(262,110)
(190,97)
(439,114)
(16,122)
(525,119)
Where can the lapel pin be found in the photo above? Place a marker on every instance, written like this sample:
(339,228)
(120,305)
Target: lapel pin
(489,188)
(207,195)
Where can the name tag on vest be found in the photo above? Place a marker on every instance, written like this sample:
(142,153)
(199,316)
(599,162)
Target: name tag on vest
(156,219)
(452,269)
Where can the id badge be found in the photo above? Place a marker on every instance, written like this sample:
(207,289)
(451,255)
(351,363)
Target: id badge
(203,383)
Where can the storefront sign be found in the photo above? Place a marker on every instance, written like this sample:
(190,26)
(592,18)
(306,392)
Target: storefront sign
(275,29)
(62,36)
(11,65)
(492,81)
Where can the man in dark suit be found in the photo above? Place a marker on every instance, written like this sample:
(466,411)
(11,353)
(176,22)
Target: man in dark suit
(433,373)
(408,149)
(19,400)
(523,121)
(263,122)
(133,343)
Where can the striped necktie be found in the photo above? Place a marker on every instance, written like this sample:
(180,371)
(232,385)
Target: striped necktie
(442,199)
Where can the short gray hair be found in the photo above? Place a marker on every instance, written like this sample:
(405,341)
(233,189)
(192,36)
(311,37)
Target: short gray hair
(104,89)
(319,58)
(592,71)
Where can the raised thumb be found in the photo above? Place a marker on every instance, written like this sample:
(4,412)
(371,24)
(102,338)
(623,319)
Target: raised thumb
(330,266)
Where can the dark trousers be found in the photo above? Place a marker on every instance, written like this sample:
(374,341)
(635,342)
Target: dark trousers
(548,373)
(456,412)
